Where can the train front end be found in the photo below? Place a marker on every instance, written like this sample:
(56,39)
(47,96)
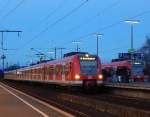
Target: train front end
(137,71)
(89,70)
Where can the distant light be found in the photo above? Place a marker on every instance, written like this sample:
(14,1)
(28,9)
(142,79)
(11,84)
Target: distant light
(132,21)
(137,63)
(76,42)
(51,52)
(86,55)
(98,34)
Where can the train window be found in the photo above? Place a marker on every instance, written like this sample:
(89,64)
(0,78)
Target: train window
(67,68)
(48,69)
(38,71)
(51,70)
(55,70)
(58,69)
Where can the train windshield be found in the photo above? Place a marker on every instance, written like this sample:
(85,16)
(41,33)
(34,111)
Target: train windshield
(88,67)
(137,69)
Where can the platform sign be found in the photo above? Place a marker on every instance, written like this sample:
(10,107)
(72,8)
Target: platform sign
(125,55)
(129,56)
(131,51)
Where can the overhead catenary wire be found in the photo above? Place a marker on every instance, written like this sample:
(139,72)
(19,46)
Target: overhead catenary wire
(56,22)
(4,6)
(47,17)
(12,10)
(85,22)
(114,24)
(106,27)
(121,21)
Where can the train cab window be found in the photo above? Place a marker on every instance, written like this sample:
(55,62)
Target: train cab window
(88,67)
(137,69)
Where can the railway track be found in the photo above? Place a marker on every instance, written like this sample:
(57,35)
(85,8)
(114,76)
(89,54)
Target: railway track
(85,105)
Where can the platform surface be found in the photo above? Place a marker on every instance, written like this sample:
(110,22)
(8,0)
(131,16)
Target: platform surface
(14,103)
(138,85)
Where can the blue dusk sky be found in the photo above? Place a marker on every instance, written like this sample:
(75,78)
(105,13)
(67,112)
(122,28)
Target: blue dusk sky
(56,23)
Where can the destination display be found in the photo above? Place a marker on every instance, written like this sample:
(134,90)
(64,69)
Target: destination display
(87,58)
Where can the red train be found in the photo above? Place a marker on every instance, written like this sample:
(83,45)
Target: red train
(125,69)
(75,69)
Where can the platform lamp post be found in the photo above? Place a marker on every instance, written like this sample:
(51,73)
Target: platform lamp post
(98,35)
(132,23)
(77,45)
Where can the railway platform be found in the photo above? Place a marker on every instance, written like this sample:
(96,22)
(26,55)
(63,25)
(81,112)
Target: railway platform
(135,90)
(14,103)
(138,85)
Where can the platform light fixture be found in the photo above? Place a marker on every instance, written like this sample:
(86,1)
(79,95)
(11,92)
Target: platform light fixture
(98,35)
(132,22)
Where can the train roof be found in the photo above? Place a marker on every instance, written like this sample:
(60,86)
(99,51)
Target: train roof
(75,53)
(68,57)
(40,65)
(118,63)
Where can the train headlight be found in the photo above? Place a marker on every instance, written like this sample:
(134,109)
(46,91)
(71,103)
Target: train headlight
(86,55)
(100,77)
(77,77)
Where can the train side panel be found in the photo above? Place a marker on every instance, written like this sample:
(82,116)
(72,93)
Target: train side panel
(66,71)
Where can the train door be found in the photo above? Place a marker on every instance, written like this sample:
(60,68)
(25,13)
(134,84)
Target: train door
(51,72)
(107,74)
(71,77)
(46,72)
(29,74)
(43,72)
(63,72)
(33,74)
(67,71)
(58,72)
(122,74)
(40,73)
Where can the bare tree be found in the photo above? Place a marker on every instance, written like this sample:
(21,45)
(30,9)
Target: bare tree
(145,49)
